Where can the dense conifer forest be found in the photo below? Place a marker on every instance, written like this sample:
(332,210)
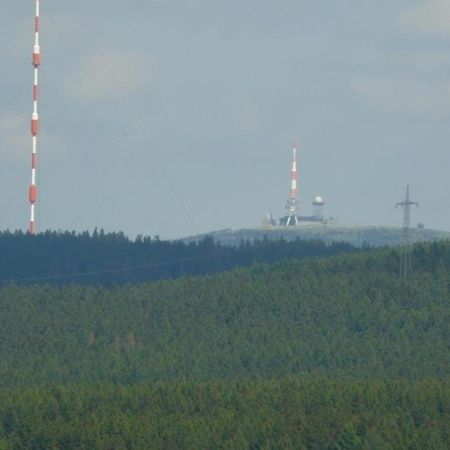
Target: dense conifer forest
(112,258)
(283,414)
(321,352)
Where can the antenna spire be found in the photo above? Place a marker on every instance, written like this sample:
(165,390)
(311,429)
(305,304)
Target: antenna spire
(32,195)
(292,201)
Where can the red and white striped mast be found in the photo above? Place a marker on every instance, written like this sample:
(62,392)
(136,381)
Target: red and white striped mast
(292,202)
(35,121)
(293,193)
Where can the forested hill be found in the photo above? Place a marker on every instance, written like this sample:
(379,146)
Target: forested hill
(107,259)
(347,316)
(358,236)
(321,353)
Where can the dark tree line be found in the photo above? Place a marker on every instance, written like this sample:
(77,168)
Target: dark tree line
(112,258)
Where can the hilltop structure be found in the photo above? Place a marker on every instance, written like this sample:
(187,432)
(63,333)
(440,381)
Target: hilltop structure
(293,218)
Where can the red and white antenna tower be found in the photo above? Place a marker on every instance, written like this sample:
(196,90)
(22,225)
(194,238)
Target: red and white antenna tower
(293,193)
(292,202)
(35,121)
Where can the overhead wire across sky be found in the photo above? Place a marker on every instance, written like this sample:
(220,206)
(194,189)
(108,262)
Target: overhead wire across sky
(126,110)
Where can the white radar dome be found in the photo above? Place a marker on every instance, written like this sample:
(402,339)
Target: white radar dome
(318,199)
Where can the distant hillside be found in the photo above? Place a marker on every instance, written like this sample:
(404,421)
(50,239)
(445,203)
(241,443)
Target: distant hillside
(112,258)
(347,316)
(357,236)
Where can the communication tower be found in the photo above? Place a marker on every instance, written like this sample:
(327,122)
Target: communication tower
(32,194)
(291,219)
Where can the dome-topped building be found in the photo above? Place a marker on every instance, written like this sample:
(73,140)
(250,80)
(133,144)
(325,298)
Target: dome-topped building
(318,206)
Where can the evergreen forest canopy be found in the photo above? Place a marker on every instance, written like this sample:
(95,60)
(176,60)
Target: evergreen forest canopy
(112,258)
(315,353)
(284,414)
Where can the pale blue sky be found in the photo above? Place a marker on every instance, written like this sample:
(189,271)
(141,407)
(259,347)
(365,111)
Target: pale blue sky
(212,94)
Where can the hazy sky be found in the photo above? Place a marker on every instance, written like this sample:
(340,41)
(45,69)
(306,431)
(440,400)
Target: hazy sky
(154,111)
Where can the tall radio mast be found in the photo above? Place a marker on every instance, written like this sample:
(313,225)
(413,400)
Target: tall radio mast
(292,202)
(35,121)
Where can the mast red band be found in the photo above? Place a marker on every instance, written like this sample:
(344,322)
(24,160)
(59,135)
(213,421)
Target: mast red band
(33,194)
(36,59)
(34,127)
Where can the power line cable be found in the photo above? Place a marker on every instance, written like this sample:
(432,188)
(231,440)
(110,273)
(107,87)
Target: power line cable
(435,207)
(108,271)
(127,113)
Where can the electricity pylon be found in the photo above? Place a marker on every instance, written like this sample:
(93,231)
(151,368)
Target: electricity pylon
(405,257)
